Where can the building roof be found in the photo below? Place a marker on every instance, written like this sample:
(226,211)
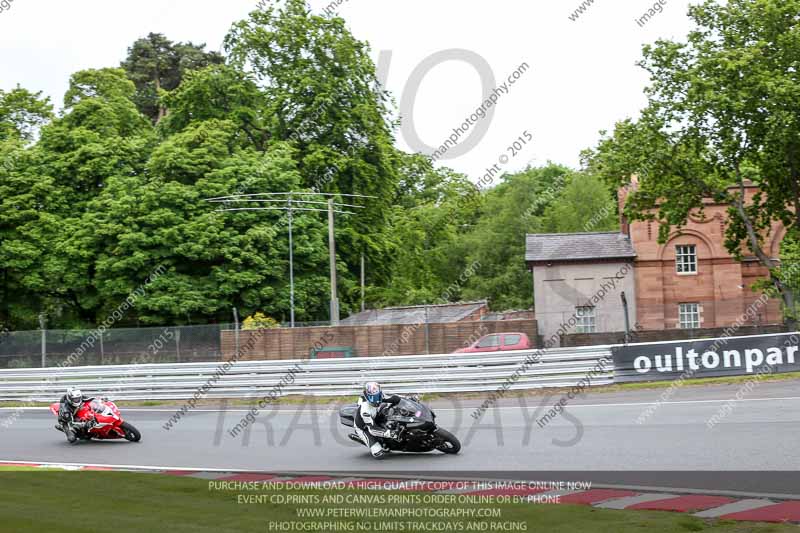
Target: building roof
(415,314)
(550,247)
(513,314)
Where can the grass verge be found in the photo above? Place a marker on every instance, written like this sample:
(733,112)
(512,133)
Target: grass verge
(132,502)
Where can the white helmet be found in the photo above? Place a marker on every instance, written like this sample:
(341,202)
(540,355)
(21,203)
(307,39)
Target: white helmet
(74,397)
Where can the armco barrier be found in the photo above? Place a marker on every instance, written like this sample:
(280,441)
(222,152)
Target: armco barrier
(472,372)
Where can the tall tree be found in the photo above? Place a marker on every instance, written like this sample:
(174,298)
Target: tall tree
(510,210)
(212,261)
(789,270)
(583,204)
(25,199)
(220,92)
(100,135)
(433,210)
(321,93)
(22,113)
(723,111)
(156,64)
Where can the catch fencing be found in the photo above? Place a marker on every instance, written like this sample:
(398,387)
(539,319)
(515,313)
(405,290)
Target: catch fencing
(54,347)
(218,342)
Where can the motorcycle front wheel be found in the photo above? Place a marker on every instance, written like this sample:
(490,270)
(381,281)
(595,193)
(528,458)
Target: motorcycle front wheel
(131,433)
(450,444)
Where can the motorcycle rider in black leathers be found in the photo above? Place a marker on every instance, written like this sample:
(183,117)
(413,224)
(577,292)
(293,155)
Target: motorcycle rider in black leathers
(370,404)
(70,403)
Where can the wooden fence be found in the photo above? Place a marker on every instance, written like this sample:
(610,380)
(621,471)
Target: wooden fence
(390,339)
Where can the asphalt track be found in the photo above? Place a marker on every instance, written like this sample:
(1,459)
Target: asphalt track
(755,448)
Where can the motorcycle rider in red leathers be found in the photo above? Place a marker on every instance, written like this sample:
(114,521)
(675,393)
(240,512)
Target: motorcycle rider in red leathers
(70,403)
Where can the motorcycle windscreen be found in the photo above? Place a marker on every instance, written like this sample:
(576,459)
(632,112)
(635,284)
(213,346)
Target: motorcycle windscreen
(409,408)
(99,407)
(414,414)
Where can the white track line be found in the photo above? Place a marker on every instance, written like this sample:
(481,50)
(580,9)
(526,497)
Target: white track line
(734,507)
(622,503)
(133,467)
(703,492)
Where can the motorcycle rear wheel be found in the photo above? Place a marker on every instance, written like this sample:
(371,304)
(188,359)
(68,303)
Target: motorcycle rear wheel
(450,444)
(131,433)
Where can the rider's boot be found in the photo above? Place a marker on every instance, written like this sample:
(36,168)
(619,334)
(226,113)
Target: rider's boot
(377,450)
(68,430)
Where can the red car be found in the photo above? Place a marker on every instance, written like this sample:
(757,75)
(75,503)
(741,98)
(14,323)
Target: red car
(498,342)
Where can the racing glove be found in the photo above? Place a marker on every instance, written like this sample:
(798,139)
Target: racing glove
(85,425)
(382,433)
(64,415)
(389,434)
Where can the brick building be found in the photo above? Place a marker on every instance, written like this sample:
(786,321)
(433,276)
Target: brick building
(691,281)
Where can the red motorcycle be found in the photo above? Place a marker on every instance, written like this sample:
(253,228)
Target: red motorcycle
(108,421)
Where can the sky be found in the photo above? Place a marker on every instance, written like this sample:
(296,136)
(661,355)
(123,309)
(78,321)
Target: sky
(575,77)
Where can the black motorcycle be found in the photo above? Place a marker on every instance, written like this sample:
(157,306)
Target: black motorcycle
(411,423)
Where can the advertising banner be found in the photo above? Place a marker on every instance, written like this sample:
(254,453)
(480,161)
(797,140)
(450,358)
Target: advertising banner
(728,356)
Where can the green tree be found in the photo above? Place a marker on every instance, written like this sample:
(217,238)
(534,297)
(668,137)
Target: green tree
(789,270)
(433,210)
(724,110)
(156,64)
(100,136)
(220,92)
(583,205)
(22,113)
(321,93)
(26,199)
(510,210)
(212,261)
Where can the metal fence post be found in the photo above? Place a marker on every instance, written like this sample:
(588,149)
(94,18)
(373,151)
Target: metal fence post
(42,326)
(236,331)
(102,350)
(627,319)
(178,343)
(427,332)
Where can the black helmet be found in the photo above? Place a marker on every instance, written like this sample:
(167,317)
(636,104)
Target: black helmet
(373,393)
(74,397)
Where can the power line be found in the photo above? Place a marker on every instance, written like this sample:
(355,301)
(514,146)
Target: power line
(289,200)
(275,200)
(290,194)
